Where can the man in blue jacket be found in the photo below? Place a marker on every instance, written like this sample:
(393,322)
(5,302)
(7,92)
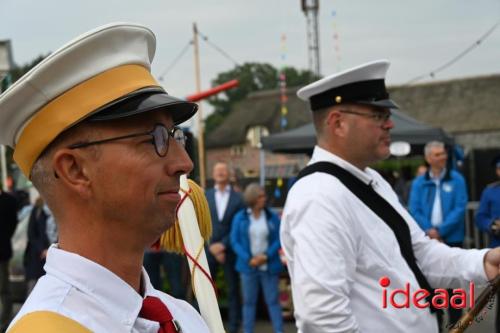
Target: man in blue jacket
(488,217)
(488,214)
(224,203)
(438,201)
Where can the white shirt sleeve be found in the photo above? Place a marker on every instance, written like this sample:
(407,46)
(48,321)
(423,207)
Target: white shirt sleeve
(321,247)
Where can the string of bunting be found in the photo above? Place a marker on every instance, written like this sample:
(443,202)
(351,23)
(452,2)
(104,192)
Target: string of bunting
(336,40)
(282,84)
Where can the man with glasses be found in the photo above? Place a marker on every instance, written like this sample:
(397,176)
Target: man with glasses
(347,239)
(98,138)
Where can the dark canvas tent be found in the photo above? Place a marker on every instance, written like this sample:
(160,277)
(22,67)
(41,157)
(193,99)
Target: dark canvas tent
(303,139)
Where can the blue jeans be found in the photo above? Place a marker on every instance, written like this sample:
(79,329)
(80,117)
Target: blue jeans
(250,283)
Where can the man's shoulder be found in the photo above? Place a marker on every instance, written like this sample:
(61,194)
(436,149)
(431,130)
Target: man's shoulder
(46,322)
(237,195)
(456,175)
(44,301)
(240,214)
(418,180)
(315,188)
(494,185)
(48,294)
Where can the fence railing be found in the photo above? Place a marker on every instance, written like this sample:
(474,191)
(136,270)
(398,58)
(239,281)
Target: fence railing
(474,238)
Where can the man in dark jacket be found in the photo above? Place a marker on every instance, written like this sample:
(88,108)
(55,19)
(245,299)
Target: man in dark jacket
(38,244)
(8,223)
(224,203)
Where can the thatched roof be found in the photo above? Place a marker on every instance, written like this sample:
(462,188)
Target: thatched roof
(457,106)
(261,108)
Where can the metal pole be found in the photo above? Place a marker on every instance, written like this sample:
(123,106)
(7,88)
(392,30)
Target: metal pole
(262,162)
(4,167)
(3,160)
(201,139)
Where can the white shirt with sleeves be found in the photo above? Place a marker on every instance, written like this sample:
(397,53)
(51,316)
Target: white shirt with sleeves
(98,299)
(338,249)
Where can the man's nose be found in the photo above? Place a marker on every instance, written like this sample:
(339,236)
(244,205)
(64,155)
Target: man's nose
(177,161)
(388,124)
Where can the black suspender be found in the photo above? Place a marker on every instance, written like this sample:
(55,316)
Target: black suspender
(382,208)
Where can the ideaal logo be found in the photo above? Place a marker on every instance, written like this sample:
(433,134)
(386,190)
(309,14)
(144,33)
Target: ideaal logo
(440,300)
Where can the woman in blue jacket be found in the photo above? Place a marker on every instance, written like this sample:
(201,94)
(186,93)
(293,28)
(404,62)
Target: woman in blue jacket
(255,240)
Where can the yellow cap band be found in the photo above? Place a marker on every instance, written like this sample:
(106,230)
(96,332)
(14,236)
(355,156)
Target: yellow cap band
(74,105)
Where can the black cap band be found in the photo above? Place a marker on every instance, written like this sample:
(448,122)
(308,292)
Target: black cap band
(356,92)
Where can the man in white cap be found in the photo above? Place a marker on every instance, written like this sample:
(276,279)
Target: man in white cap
(348,241)
(98,137)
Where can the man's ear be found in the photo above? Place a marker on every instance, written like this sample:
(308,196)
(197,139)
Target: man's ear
(70,167)
(334,122)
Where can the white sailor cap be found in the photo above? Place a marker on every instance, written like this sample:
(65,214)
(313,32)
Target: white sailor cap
(101,75)
(364,84)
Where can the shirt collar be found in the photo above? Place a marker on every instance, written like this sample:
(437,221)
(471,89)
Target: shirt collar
(107,288)
(441,175)
(226,189)
(320,154)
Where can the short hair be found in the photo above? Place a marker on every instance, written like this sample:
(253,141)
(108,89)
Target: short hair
(221,163)
(319,117)
(251,194)
(432,144)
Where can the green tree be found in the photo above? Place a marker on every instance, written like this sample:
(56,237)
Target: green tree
(252,77)
(19,71)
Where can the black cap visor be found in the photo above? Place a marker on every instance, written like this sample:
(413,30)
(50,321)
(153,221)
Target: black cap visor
(145,100)
(385,104)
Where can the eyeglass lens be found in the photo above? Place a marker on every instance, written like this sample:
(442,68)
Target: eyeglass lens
(161,136)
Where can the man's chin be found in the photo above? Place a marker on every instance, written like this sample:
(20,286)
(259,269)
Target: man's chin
(384,153)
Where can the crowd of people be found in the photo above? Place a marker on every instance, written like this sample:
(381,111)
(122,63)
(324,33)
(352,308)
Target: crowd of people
(108,172)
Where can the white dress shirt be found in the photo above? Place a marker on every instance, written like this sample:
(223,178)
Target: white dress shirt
(221,200)
(98,299)
(338,249)
(437,209)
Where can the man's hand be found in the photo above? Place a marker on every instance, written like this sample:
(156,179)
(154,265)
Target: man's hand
(217,248)
(495,227)
(492,263)
(258,260)
(220,257)
(434,234)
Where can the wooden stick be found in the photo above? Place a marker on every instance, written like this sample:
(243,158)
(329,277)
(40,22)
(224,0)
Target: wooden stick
(481,301)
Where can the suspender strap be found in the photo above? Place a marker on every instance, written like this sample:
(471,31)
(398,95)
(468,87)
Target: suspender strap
(383,209)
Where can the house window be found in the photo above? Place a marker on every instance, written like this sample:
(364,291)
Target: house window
(255,133)
(238,150)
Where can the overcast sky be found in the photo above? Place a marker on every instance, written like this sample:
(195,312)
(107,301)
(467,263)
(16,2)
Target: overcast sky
(416,36)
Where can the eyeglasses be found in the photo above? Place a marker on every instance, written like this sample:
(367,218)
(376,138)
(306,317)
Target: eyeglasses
(160,138)
(380,117)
